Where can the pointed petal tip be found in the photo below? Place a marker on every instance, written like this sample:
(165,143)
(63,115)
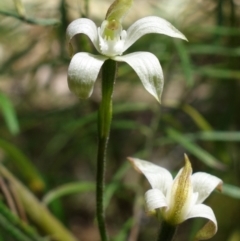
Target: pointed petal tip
(220,186)
(181,37)
(187,161)
(184,38)
(158,99)
(186,157)
(130,159)
(133,161)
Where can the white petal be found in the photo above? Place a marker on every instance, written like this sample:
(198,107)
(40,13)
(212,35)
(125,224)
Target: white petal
(85,26)
(155,199)
(158,177)
(148,25)
(82,73)
(148,69)
(210,228)
(194,199)
(204,184)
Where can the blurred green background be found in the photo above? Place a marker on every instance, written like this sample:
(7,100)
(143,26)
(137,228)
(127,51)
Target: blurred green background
(48,137)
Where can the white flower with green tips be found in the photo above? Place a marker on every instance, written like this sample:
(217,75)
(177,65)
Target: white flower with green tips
(110,40)
(179,199)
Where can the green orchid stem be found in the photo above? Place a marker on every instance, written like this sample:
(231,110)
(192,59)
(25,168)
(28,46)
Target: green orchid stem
(167,232)
(109,71)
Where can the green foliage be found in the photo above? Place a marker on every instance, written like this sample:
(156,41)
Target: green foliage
(26,169)
(9,114)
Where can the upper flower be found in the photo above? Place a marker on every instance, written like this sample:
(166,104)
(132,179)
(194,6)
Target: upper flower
(110,40)
(179,199)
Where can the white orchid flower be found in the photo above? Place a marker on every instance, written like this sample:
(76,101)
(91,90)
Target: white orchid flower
(179,199)
(110,40)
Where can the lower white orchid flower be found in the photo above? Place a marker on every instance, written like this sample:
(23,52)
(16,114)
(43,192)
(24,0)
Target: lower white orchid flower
(180,198)
(110,40)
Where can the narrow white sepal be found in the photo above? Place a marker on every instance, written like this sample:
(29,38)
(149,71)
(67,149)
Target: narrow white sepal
(148,25)
(210,228)
(157,176)
(155,199)
(204,184)
(82,73)
(85,26)
(148,69)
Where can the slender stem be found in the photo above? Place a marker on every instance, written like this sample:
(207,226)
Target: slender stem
(109,70)
(167,232)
